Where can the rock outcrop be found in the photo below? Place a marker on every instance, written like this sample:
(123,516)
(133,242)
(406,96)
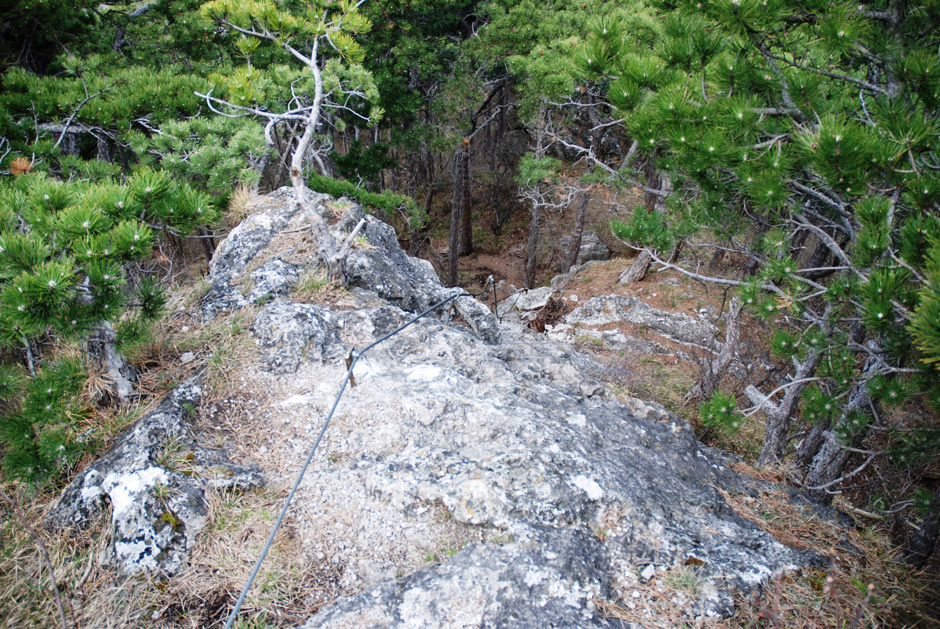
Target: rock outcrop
(592,248)
(154,480)
(601,318)
(476,475)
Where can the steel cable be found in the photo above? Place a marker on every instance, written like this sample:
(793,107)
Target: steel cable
(303,470)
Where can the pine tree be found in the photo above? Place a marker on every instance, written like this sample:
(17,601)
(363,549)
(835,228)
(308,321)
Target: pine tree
(323,84)
(65,249)
(804,134)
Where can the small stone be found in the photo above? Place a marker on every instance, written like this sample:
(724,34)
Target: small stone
(187,357)
(648,572)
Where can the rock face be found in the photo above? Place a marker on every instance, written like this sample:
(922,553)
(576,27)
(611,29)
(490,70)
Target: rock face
(591,247)
(156,510)
(519,443)
(474,476)
(669,332)
(381,267)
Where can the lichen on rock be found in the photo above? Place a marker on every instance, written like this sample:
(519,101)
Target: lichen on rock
(138,486)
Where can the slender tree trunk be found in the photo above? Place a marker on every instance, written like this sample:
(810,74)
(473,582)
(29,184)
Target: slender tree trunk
(919,548)
(832,456)
(532,245)
(820,258)
(779,416)
(676,252)
(714,370)
(575,245)
(102,350)
(638,270)
(457,208)
(466,212)
(811,444)
(207,241)
(715,262)
(656,180)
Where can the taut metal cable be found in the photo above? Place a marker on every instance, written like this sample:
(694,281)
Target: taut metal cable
(280,518)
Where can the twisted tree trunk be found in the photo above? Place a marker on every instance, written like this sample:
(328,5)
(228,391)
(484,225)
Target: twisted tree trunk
(101,347)
(779,416)
(826,467)
(713,371)
(572,256)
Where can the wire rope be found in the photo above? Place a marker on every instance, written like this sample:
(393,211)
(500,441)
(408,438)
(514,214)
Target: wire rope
(303,470)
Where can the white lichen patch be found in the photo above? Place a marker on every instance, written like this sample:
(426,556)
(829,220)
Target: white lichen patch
(588,485)
(123,489)
(425,373)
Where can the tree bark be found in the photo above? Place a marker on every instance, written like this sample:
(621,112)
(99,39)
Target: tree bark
(457,208)
(656,180)
(919,548)
(713,371)
(779,416)
(832,456)
(102,350)
(532,245)
(637,270)
(466,212)
(676,252)
(572,257)
(811,444)
(715,262)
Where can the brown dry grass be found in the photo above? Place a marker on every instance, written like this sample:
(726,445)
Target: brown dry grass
(239,204)
(26,589)
(289,588)
(863,585)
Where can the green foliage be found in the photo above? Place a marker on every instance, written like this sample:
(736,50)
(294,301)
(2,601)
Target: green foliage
(363,165)
(533,170)
(98,95)
(35,32)
(780,114)
(64,251)
(61,261)
(645,227)
(415,46)
(721,411)
(388,202)
(211,154)
(37,421)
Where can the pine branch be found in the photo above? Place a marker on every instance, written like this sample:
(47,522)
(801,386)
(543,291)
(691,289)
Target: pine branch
(589,154)
(831,244)
(832,75)
(850,475)
(68,122)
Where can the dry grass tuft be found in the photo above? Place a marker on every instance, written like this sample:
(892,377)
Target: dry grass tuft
(662,603)
(239,204)
(289,588)
(864,585)
(26,590)
(316,288)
